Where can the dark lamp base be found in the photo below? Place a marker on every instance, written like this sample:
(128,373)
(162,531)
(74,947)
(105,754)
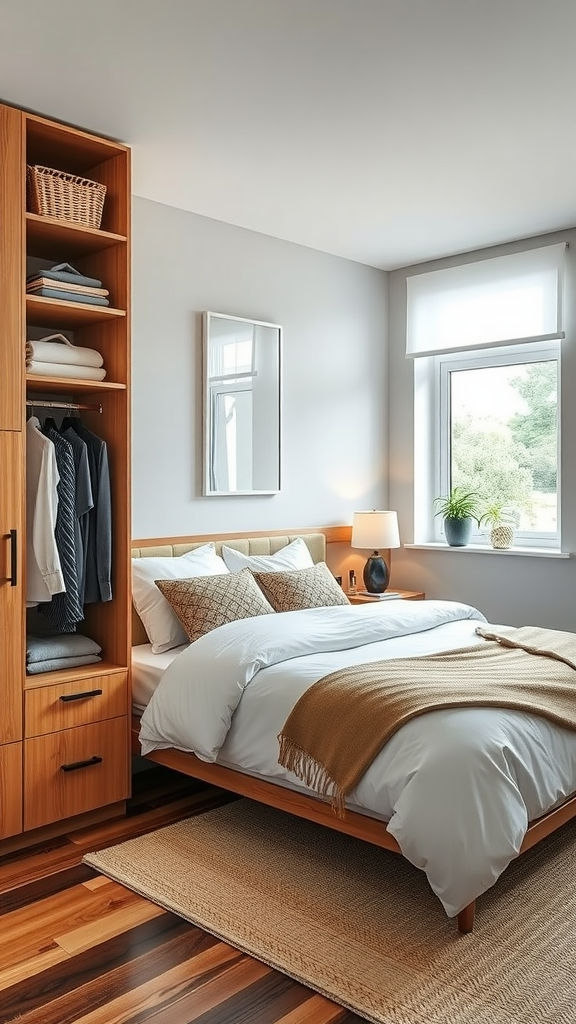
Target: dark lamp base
(375,575)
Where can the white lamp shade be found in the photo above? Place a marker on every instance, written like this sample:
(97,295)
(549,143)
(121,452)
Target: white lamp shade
(375,530)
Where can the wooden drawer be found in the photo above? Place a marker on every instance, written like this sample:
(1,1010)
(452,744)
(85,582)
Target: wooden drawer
(10,790)
(75,770)
(80,702)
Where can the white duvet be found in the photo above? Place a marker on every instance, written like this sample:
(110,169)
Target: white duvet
(456,787)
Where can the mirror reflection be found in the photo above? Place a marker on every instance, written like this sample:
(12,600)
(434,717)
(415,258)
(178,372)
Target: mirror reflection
(241,405)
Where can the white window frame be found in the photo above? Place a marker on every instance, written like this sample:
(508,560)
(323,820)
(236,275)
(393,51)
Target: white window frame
(439,433)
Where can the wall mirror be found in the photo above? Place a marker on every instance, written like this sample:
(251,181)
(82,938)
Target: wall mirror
(241,405)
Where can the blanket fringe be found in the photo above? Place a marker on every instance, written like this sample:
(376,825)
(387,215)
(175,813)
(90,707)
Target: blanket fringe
(312,773)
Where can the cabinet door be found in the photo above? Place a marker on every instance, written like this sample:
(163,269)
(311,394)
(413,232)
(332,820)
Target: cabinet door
(10,790)
(12,270)
(11,586)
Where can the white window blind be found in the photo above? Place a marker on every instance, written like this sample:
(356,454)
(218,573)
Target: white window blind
(508,300)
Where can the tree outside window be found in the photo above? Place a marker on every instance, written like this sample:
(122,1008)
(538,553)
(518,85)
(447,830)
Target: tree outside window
(504,438)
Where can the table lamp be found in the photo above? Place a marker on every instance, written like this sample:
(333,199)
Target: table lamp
(375,530)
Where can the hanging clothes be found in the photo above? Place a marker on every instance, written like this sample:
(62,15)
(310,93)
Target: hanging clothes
(98,576)
(65,610)
(44,576)
(84,502)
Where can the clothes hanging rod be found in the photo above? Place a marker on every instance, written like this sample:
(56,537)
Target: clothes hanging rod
(45,404)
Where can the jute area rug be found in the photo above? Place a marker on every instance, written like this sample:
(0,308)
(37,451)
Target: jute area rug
(360,924)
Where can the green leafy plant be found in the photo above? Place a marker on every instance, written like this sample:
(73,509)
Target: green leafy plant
(498,513)
(502,520)
(459,504)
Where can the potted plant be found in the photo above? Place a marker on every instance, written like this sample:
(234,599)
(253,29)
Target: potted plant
(502,521)
(460,509)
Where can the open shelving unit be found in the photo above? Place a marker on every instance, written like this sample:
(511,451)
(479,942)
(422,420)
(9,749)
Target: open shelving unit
(44,724)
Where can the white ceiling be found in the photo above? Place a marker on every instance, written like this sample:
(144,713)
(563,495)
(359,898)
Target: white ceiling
(384,131)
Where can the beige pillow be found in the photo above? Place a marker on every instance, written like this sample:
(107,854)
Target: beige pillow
(303,588)
(205,602)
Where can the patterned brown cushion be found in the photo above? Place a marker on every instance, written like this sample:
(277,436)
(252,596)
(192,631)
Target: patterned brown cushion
(205,602)
(303,588)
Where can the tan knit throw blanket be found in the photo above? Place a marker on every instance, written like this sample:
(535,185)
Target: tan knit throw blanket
(339,725)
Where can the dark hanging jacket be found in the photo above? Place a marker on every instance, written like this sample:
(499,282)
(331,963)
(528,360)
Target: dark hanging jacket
(97,583)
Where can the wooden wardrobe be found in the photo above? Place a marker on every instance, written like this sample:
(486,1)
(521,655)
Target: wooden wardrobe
(64,749)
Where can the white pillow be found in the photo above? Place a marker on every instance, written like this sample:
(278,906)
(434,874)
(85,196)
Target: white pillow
(160,622)
(294,556)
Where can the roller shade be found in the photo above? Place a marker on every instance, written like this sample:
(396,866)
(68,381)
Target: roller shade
(509,300)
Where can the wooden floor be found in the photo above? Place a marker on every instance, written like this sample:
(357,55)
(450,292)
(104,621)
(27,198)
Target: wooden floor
(78,947)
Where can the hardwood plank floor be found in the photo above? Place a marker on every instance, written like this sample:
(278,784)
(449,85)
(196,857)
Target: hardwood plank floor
(78,948)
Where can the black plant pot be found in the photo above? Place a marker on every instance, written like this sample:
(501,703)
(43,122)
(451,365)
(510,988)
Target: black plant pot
(458,531)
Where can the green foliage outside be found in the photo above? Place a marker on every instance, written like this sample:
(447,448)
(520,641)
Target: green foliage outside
(536,428)
(512,460)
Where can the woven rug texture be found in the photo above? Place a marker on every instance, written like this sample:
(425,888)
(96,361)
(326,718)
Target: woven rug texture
(360,924)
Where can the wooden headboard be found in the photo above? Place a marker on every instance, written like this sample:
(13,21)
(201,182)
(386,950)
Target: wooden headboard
(250,545)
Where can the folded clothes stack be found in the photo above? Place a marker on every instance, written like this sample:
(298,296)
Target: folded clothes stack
(55,651)
(56,356)
(66,283)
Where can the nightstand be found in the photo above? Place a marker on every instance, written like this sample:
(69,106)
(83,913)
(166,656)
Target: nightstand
(404,595)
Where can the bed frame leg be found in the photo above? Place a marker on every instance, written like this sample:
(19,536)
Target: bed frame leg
(466,918)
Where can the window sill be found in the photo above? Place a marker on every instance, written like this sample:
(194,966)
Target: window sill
(485,550)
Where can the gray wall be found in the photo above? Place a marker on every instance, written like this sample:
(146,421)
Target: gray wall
(334,416)
(507,588)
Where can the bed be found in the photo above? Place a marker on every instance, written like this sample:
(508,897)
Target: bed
(460,793)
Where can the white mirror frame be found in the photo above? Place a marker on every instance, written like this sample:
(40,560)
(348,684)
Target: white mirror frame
(221,388)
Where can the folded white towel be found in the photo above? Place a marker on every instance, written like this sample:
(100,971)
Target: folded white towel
(56,348)
(77,372)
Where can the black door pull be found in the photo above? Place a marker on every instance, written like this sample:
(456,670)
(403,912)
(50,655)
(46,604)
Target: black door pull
(79,696)
(74,765)
(12,579)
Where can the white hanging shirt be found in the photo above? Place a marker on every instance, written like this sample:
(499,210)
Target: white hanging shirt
(43,570)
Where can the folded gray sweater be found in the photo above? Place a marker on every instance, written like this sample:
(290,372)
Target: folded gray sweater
(66,272)
(52,664)
(59,645)
(89,299)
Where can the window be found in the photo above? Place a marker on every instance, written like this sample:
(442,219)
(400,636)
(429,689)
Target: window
(486,339)
(499,434)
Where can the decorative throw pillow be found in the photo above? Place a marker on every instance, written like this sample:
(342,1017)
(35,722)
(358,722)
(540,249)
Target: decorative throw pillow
(205,602)
(293,556)
(304,588)
(161,624)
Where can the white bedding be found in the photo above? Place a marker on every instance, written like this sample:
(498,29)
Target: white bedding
(147,671)
(457,787)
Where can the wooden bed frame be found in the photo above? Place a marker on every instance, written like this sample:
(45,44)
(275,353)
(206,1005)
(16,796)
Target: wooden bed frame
(371,830)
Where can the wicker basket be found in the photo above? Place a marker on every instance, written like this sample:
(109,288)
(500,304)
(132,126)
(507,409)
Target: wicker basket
(54,193)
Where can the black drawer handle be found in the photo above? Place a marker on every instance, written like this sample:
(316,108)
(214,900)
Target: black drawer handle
(81,764)
(12,579)
(80,696)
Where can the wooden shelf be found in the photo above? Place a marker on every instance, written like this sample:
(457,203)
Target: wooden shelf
(43,312)
(51,238)
(70,385)
(78,674)
(60,145)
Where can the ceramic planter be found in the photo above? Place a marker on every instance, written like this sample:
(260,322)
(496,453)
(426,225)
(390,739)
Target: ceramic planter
(502,536)
(458,531)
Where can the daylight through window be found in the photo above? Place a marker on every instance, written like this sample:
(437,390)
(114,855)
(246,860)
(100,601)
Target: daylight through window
(503,437)
(486,340)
